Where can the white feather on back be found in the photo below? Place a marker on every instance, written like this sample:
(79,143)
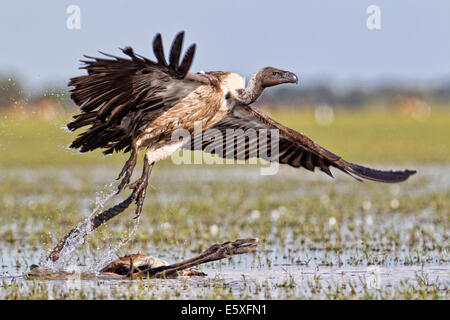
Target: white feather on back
(230,84)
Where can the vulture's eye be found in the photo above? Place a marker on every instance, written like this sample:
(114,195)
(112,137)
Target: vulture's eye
(275,73)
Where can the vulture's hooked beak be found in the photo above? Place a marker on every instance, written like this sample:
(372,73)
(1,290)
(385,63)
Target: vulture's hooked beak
(290,77)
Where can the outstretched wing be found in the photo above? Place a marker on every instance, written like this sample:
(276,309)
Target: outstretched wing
(249,138)
(118,93)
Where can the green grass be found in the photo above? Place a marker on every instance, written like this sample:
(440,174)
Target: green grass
(371,135)
(378,135)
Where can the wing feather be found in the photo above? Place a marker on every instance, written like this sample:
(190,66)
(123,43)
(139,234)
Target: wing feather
(175,51)
(119,94)
(295,149)
(158,50)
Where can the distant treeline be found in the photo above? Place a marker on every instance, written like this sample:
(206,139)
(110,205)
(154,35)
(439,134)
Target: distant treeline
(12,93)
(354,97)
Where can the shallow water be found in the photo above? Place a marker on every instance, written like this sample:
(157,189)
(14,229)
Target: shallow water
(247,277)
(320,238)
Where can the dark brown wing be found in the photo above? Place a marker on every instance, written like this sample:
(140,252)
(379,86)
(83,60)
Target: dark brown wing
(119,96)
(294,148)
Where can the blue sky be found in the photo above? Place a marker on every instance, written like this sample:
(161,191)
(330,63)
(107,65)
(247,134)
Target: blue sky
(314,39)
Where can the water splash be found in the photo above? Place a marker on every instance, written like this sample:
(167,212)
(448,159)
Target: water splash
(109,255)
(84,228)
(64,263)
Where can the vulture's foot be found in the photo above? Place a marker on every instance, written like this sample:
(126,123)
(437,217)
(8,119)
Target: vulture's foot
(140,187)
(127,170)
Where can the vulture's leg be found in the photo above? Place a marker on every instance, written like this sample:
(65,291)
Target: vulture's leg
(137,195)
(140,186)
(94,222)
(127,169)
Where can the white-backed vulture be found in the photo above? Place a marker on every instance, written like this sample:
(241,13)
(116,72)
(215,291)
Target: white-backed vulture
(135,103)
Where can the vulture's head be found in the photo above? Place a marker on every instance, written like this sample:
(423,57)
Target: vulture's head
(261,79)
(270,76)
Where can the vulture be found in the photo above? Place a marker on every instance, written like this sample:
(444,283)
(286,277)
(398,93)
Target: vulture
(134,103)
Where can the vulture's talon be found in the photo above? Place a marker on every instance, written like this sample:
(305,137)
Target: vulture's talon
(139,199)
(138,182)
(124,182)
(139,189)
(128,170)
